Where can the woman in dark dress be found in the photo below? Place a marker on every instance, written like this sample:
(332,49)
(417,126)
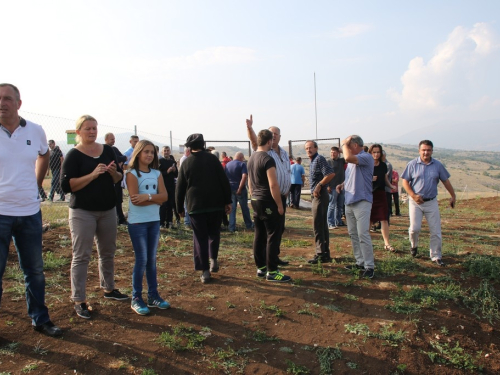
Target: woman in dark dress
(379,206)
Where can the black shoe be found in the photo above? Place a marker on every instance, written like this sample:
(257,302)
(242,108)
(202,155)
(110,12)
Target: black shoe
(439,262)
(369,273)
(414,251)
(49,329)
(320,258)
(354,267)
(82,310)
(115,294)
(282,262)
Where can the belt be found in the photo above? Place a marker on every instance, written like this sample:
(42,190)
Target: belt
(429,199)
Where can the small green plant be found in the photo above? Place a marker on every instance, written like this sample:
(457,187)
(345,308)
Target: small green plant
(277,311)
(400,369)
(148,371)
(9,349)
(230,305)
(318,269)
(39,349)
(286,349)
(297,281)
(29,367)
(444,330)
(332,308)
(451,355)
(392,338)
(351,297)
(296,369)
(352,365)
(306,311)
(229,360)
(261,336)
(9,323)
(325,357)
(181,338)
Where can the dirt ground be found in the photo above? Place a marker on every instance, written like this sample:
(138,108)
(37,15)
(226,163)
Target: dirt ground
(233,310)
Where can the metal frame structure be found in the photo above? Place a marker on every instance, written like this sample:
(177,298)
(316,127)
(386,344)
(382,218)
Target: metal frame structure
(249,145)
(290,153)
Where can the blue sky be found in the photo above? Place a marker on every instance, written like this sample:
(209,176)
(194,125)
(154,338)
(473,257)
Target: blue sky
(383,68)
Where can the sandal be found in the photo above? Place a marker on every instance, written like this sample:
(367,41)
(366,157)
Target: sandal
(390,248)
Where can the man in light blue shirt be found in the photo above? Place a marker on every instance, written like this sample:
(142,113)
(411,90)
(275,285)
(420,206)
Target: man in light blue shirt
(358,202)
(298,178)
(420,180)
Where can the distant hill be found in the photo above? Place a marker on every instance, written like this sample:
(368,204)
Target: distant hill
(464,135)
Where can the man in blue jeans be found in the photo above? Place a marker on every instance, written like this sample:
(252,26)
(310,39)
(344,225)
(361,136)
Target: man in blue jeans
(237,174)
(336,203)
(24,159)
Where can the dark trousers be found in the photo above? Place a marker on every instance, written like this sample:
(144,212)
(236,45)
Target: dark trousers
(295,190)
(55,185)
(396,202)
(119,200)
(268,231)
(388,198)
(320,223)
(167,209)
(206,238)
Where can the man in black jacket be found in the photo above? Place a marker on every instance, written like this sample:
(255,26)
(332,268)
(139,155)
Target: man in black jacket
(109,139)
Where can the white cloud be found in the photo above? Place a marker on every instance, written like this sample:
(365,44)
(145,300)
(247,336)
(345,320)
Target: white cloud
(454,76)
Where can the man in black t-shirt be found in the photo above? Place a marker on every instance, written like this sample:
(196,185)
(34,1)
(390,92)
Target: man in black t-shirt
(55,163)
(268,209)
(109,139)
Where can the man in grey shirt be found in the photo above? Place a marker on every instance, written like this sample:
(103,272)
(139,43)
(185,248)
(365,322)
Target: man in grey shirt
(280,156)
(358,202)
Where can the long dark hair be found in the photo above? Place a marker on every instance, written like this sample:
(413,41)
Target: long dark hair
(134,160)
(376,145)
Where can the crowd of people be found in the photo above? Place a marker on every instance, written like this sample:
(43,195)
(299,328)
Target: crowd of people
(354,183)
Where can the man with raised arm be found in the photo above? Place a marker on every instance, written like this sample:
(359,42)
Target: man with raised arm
(420,179)
(282,162)
(268,209)
(358,202)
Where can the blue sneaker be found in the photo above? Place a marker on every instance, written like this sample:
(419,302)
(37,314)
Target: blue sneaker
(139,306)
(158,302)
(277,277)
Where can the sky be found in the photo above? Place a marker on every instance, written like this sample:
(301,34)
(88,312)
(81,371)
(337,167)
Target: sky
(383,68)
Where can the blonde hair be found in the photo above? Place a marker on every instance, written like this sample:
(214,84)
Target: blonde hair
(79,124)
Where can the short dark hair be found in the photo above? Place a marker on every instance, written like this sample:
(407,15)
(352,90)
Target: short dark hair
(263,137)
(51,141)
(425,142)
(16,90)
(298,158)
(134,137)
(314,143)
(335,148)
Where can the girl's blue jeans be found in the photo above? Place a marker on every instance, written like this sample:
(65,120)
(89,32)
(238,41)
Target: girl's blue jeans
(144,237)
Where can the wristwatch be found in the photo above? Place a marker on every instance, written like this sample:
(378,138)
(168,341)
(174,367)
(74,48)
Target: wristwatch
(149,197)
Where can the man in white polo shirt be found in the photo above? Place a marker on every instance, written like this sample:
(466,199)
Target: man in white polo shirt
(24,159)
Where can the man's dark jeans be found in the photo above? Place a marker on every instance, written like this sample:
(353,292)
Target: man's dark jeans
(268,231)
(27,234)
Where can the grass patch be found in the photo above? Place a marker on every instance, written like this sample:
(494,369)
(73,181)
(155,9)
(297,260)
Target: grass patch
(484,302)
(483,266)
(51,261)
(181,338)
(229,361)
(391,337)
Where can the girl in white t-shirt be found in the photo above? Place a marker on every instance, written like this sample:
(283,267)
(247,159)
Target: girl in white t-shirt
(147,192)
